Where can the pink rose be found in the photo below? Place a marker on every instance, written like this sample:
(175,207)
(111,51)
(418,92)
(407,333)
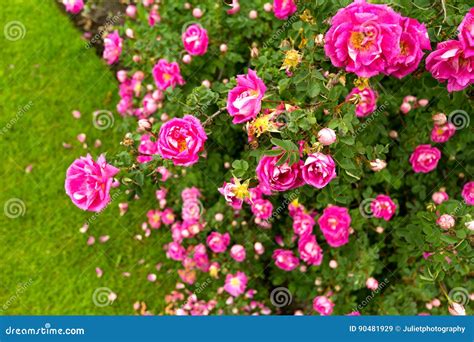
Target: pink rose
(285,259)
(262,208)
(365,101)
(73,6)
(167,74)
(318,170)
(327,136)
(154,218)
(195,40)
(446,221)
(181,140)
(372,284)
(278,178)
(439,197)
(245,100)
(413,41)
(449,63)
(303,224)
(146,149)
(236,284)
(425,158)
(237,252)
(88,182)
(154,16)
(176,251)
(218,242)
(309,250)
(228,191)
(323,305)
(468,193)
(441,134)
(112,47)
(466,33)
(334,223)
(363,38)
(383,207)
(284,8)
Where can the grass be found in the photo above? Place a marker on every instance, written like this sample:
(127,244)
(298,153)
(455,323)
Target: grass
(46,266)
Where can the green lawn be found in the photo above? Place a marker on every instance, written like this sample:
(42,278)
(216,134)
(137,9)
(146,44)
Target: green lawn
(46,266)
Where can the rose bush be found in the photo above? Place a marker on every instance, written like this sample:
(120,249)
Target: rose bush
(309,146)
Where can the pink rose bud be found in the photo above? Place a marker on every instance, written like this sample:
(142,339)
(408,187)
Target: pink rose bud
(319,40)
(144,124)
(267,7)
(206,83)
(326,136)
(129,33)
(98,272)
(136,59)
(469,225)
(112,296)
(333,264)
(131,11)
(28,168)
(409,99)
(81,138)
(187,6)
(372,284)
(219,217)
(439,197)
(151,277)
(187,59)
(90,240)
(76,114)
(258,247)
(429,306)
(405,107)
(197,13)
(237,252)
(439,119)
(97,143)
(223,48)
(253,14)
(104,238)
(123,208)
(436,302)
(121,76)
(423,102)
(378,165)
(393,134)
(457,309)
(227,165)
(164,117)
(446,221)
(379,230)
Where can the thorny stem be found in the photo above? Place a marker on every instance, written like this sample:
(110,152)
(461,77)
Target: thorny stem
(443,5)
(210,118)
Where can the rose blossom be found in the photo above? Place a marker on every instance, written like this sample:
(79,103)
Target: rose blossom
(363,38)
(323,305)
(176,251)
(468,193)
(112,47)
(146,149)
(236,284)
(181,140)
(413,41)
(195,40)
(334,223)
(285,259)
(309,250)
(284,8)
(218,242)
(237,252)
(446,221)
(326,136)
(378,165)
(262,208)
(383,207)
(372,284)
(449,63)
(228,191)
(303,224)
(167,74)
(466,33)
(425,158)
(441,134)
(365,101)
(73,6)
(278,178)
(88,182)
(318,170)
(439,197)
(154,218)
(245,100)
